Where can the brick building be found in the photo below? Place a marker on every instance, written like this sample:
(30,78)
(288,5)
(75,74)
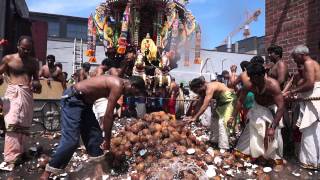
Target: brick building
(293,22)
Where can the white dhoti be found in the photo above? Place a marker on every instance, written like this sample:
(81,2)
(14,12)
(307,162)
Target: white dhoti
(18,113)
(99,108)
(251,141)
(309,125)
(219,133)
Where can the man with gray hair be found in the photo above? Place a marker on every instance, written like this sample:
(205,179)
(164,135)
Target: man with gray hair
(309,117)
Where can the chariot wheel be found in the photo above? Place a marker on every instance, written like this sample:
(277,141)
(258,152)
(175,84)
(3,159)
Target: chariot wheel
(51,116)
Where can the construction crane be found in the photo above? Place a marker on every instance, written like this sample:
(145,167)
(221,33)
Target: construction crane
(244,26)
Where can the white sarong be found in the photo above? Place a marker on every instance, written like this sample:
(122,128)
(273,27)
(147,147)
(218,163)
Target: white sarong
(251,141)
(99,108)
(18,114)
(309,125)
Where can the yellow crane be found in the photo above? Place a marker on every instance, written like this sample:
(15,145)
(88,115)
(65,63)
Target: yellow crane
(244,26)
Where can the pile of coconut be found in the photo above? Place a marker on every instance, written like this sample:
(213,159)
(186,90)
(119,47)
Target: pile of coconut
(160,147)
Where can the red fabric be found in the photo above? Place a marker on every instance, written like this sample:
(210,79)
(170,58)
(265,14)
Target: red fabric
(39,36)
(172,105)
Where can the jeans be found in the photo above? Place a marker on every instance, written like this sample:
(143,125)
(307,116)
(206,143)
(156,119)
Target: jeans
(77,118)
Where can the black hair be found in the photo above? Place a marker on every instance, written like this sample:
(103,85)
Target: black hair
(107,62)
(65,74)
(196,82)
(137,82)
(28,38)
(50,56)
(275,49)
(244,65)
(58,64)
(86,65)
(255,69)
(257,60)
(225,72)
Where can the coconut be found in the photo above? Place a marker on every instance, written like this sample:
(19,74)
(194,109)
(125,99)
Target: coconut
(208,159)
(188,175)
(116,141)
(165,132)
(157,119)
(181,150)
(135,176)
(167,154)
(150,159)
(157,126)
(192,138)
(146,132)
(135,128)
(157,135)
(183,142)
(165,141)
(176,136)
(165,117)
(124,141)
(171,129)
(161,113)
(152,142)
(128,145)
(143,138)
(140,167)
(134,139)
(138,146)
(147,117)
(164,124)
(128,153)
(139,159)
(152,128)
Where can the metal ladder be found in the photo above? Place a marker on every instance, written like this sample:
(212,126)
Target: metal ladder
(77,55)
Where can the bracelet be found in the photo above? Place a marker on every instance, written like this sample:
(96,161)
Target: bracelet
(273,126)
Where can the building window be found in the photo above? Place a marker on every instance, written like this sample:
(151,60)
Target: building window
(53,29)
(77,31)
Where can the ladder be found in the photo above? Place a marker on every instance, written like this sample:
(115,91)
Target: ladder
(77,55)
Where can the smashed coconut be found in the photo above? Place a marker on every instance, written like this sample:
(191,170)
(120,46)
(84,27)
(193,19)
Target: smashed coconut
(161,147)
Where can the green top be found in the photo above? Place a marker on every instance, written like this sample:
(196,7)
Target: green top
(248,102)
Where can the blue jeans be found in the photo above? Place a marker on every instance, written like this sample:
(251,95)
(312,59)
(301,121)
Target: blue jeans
(77,118)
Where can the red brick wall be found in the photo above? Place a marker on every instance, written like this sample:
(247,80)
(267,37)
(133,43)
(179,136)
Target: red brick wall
(293,22)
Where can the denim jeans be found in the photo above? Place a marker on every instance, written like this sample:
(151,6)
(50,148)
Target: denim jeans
(77,118)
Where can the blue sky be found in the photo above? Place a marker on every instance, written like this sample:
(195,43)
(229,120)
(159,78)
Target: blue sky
(216,17)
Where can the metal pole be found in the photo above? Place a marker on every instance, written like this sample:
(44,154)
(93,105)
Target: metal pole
(222,64)
(74,56)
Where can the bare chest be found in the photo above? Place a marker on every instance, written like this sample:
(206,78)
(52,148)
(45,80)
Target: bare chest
(20,68)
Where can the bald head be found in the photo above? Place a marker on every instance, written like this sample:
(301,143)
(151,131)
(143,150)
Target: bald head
(25,44)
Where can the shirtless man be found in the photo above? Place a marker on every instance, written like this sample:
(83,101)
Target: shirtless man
(267,93)
(77,117)
(22,70)
(84,71)
(52,72)
(244,80)
(225,98)
(308,121)
(278,68)
(173,94)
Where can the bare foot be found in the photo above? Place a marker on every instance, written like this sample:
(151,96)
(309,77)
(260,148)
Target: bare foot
(45,175)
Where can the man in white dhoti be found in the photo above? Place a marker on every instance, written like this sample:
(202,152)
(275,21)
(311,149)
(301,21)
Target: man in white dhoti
(225,100)
(309,118)
(262,135)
